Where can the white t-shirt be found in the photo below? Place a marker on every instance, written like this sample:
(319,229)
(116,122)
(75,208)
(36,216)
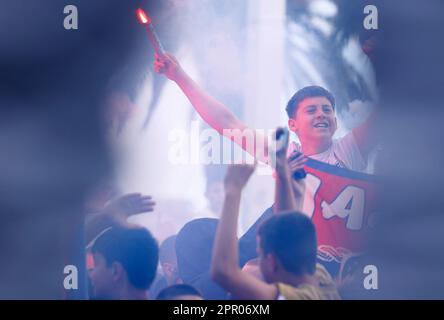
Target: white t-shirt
(342,153)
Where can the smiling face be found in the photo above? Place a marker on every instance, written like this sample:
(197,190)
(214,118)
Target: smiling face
(314,120)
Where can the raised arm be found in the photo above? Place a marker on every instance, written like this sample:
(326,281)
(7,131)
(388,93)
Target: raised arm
(213,112)
(225,268)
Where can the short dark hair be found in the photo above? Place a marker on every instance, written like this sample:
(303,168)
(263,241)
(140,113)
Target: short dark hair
(308,92)
(176,290)
(135,249)
(291,238)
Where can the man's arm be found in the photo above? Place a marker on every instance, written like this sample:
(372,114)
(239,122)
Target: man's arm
(213,112)
(366,135)
(225,262)
(289,193)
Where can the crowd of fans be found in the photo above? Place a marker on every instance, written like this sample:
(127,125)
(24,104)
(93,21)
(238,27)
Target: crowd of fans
(275,259)
(205,259)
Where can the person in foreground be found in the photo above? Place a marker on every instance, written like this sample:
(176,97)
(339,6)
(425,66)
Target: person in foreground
(125,264)
(286,245)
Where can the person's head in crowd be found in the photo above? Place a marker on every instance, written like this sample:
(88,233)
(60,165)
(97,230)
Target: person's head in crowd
(194,247)
(125,263)
(351,276)
(311,115)
(168,260)
(179,292)
(287,247)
